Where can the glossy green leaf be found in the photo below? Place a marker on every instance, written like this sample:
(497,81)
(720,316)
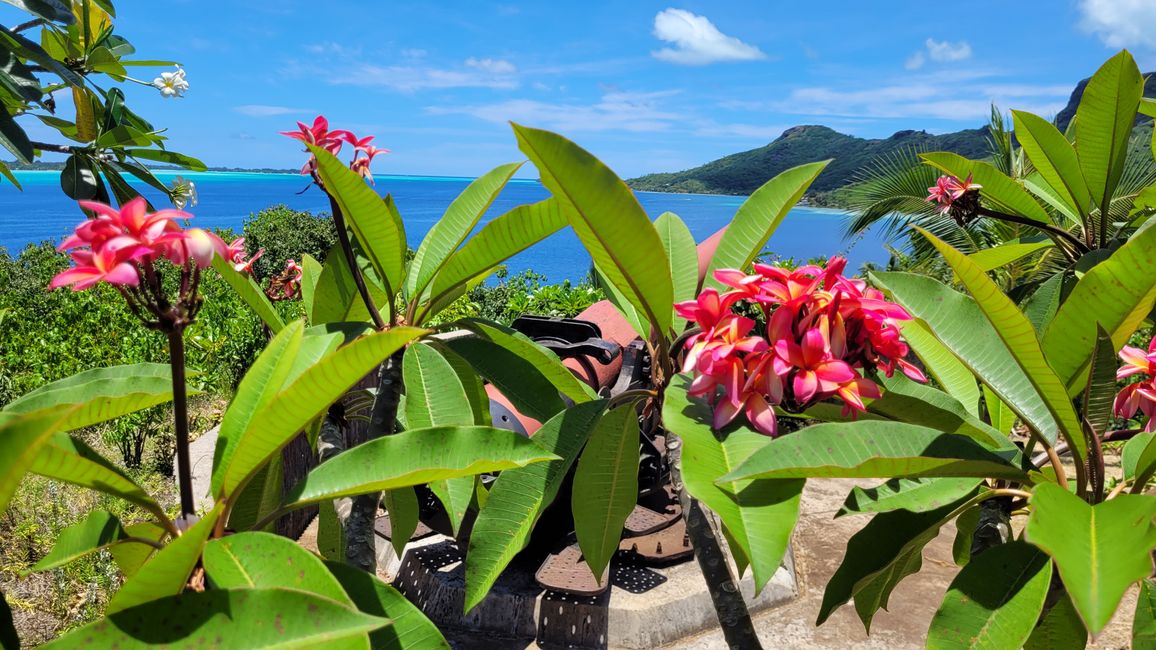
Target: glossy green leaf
(414,457)
(473,384)
(78,179)
(965,527)
(912,494)
(71,460)
(1100,550)
(435,397)
(1060,629)
(1116,294)
(404,515)
(1104,123)
(410,629)
(259,497)
(256,618)
(515,376)
(252,294)
(886,550)
(606,486)
(998,189)
(958,323)
(50,10)
(608,220)
(1144,621)
(1003,419)
(637,320)
(336,298)
(21,437)
(451,230)
(167,571)
(682,254)
(758,217)
(942,364)
(875,449)
(1101,389)
(170,157)
(519,496)
(912,402)
(996,257)
(311,271)
(1055,159)
(497,241)
(1133,451)
(267,561)
(1042,305)
(130,556)
(99,530)
(759,515)
(306,398)
(14,139)
(1019,337)
(995,601)
(373,220)
(99,395)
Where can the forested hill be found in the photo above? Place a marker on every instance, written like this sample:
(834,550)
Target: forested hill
(743,173)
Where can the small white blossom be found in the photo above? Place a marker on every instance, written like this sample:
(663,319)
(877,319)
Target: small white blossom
(184,193)
(172,84)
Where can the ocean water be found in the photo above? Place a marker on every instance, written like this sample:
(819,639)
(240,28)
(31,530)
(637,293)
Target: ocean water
(226,199)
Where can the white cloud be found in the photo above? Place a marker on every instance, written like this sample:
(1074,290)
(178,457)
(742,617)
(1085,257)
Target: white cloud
(1120,23)
(746,131)
(493,66)
(697,41)
(264,110)
(914,62)
(945,52)
(615,111)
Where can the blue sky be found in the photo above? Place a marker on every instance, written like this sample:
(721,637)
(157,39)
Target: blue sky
(647,86)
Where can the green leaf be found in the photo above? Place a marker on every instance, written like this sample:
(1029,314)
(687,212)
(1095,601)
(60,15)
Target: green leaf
(1042,305)
(519,496)
(311,271)
(435,397)
(1055,159)
(958,323)
(912,494)
(335,296)
(130,556)
(99,530)
(99,395)
(965,526)
(78,179)
(912,402)
(638,322)
(1060,629)
(998,189)
(608,220)
(410,630)
(995,601)
(1104,123)
(451,230)
(759,515)
(1101,388)
(1133,451)
(606,486)
(267,561)
(54,11)
(996,257)
(122,136)
(497,241)
(1019,337)
(167,571)
(260,496)
(1003,419)
(944,367)
(71,460)
(1144,621)
(21,437)
(252,294)
(14,138)
(373,220)
(886,550)
(264,618)
(309,396)
(758,217)
(682,254)
(404,514)
(170,157)
(875,449)
(1116,294)
(414,457)
(1100,550)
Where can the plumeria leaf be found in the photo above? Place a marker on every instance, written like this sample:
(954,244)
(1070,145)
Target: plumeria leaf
(1101,388)
(1132,452)
(170,157)
(54,11)
(451,230)
(264,618)
(942,364)
(682,255)
(996,257)
(1001,416)
(71,460)
(410,629)
(875,449)
(21,437)
(414,457)
(1144,621)
(130,556)
(608,220)
(404,516)
(265,561)
(912,494)
(1055,159)
(1104,124)
(759,515)
(248,290)
(758,217)
(1116,294)
(335,296)
(606,486)
(519,497)
(1100,550)
(998,188)
(1060,629)
(995,601)
(99,530)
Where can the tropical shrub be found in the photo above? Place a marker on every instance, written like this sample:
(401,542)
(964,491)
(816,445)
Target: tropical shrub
(282,234)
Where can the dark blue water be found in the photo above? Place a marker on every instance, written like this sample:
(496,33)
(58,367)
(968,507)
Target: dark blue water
(42,212)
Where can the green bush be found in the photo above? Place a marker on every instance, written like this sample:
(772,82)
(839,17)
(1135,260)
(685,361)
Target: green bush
(286,234)
(523,293)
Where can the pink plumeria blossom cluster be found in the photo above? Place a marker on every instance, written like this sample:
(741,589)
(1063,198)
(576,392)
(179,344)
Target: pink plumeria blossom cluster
(239,257)
(332,141)
(822,330)
(1140,396)
(949,189)
(118,244)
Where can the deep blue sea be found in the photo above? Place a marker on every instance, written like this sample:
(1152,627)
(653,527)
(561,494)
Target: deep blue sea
(41,211)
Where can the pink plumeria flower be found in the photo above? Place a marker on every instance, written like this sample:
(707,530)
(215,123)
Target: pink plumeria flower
(948,189)
(1140,396)
(200,246)
(92,267)
(293,285)
(361,164)
(1137,361)
(236,256)
(319,135)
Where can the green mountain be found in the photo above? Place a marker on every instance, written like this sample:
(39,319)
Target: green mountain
(743,173)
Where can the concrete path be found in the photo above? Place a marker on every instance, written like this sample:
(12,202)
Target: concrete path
(201,460)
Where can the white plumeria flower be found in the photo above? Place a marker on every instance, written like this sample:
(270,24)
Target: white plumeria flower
(184,193)
(172,84)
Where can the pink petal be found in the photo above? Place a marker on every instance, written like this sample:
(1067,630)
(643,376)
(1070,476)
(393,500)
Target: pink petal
(762,416)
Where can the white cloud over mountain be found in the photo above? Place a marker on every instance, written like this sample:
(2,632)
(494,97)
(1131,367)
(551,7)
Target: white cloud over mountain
(696,41)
